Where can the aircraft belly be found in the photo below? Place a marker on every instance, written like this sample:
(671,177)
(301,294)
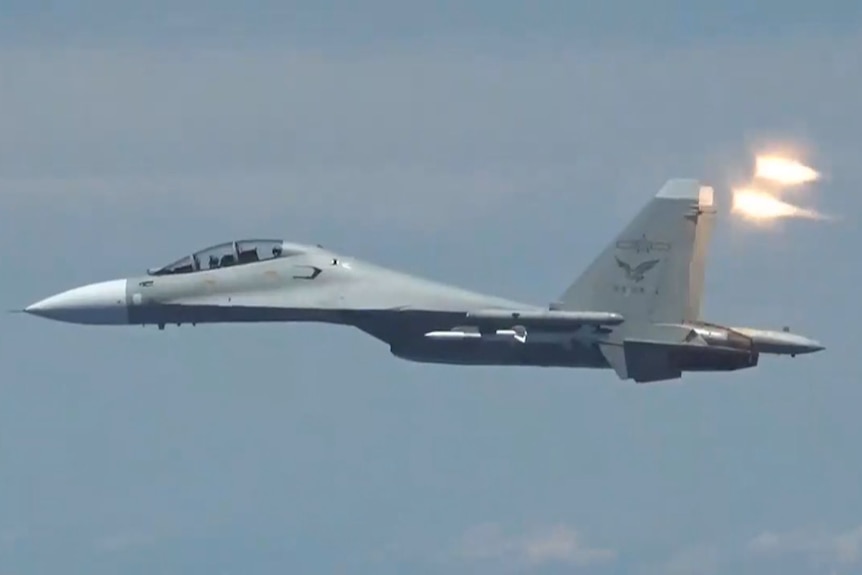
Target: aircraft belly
(498,353)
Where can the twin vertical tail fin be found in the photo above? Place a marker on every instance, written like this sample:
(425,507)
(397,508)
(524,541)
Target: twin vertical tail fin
(653,272)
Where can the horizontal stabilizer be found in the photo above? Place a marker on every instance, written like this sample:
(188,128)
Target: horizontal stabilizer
(643,361)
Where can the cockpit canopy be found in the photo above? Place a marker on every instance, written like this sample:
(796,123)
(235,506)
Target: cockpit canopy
(228,254)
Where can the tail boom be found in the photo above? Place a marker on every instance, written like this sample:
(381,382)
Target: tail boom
(665,351)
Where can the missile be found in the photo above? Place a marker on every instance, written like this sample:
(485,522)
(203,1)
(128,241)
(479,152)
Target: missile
(519,335)
(516,334)
(453,334)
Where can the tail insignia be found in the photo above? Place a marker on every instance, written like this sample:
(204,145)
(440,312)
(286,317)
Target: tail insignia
(642,244)
(637,273)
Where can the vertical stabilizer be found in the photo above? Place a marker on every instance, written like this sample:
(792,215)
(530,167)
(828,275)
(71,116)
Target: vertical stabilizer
(653,271)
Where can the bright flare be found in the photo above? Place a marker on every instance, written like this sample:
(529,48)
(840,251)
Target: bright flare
(784,171)
(758,205)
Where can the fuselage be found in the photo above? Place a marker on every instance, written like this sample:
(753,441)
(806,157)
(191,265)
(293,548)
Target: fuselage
(419,319)
(410,314)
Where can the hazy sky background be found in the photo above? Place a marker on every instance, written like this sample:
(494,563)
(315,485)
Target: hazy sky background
(497,145)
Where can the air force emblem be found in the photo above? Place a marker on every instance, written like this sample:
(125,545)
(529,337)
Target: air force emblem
(642,244)
(636,273)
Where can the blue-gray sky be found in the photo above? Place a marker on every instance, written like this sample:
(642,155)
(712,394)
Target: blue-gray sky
(496,145)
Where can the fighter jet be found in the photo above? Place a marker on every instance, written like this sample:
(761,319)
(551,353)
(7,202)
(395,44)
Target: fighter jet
(635,309)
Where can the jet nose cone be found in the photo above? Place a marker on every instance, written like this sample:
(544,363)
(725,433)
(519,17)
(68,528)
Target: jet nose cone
(102,303)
